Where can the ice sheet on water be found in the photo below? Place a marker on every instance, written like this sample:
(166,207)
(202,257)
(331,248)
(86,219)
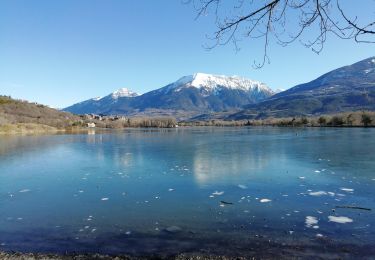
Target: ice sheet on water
(311,221)
(24,190)
(347,189)
(241,186)
(104,199)
(317,193)
(218,193)
(265,200)
(341,220)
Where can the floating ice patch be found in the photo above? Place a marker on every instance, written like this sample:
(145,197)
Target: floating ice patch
(128,232)
(24,190)
(218,193)
(104,199)
(241,186)
(347,189)
(341,220)
(301,177)
(311,221)
(319,235)
(318,193)
(331,193)
(317,171)
(265,200)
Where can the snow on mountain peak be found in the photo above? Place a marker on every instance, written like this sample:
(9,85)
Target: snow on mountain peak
(123,92)
(211,82)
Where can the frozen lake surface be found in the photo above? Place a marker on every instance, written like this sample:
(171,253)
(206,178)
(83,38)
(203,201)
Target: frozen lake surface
(232,191)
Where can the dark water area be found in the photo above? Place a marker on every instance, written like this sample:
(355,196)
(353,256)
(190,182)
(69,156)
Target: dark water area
(226,191)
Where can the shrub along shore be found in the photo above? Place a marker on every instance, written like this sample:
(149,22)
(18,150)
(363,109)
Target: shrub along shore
(347,119)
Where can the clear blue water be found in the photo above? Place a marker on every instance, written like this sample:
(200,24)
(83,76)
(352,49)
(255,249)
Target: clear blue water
(146,191)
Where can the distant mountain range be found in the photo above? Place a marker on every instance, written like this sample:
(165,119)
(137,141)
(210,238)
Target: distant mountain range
(187,97)
(348,88)
(206,96)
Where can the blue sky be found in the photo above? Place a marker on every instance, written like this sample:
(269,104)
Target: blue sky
(62,52)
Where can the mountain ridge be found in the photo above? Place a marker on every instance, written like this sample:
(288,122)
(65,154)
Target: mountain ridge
(348,88)
(197,93)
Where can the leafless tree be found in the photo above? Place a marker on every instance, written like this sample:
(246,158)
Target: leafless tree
(309,21)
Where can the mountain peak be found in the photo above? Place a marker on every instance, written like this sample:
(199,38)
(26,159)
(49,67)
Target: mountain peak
(123,92)
(212,82)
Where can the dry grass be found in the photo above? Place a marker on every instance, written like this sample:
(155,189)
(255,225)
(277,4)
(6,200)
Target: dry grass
(27,128)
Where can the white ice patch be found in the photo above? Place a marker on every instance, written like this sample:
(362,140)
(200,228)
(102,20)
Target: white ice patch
(265,200)
(241,186)
(341,220)
(105,199)
(24,190)
(218,193)
(318,193)
(311,222)
(347,189)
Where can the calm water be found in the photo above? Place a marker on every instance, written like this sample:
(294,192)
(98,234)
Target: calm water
(220,190)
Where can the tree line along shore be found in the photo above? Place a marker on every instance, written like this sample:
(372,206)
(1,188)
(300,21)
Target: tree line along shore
(17,116)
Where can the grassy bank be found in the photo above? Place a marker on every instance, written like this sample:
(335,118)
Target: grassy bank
(27,128)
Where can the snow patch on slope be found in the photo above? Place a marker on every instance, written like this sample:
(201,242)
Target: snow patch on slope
(123,92)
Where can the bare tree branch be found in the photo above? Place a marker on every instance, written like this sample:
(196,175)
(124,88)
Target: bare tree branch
(309,21)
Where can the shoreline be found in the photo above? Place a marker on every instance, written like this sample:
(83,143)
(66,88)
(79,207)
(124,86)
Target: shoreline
(43,130)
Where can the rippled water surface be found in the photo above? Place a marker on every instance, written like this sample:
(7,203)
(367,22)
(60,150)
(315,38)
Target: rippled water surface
(187,190)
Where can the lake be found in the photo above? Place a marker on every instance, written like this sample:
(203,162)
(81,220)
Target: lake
(227,191)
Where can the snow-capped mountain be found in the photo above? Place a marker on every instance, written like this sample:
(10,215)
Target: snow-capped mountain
(99,105)
(194,94)
(213,84)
